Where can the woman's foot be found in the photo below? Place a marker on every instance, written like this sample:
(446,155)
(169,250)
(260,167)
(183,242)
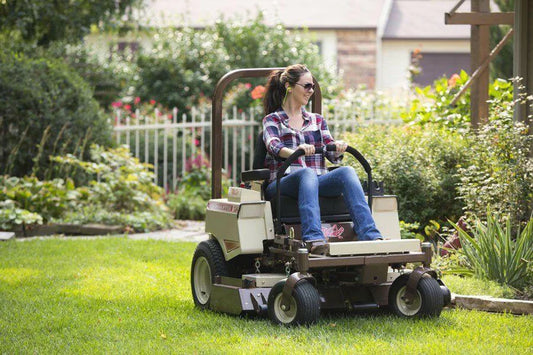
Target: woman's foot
(319,247)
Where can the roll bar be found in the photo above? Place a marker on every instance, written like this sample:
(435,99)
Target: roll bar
(216,119)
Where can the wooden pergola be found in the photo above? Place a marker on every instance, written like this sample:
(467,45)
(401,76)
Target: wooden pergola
(481,18)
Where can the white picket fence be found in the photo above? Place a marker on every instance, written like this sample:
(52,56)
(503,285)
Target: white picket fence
(171,144)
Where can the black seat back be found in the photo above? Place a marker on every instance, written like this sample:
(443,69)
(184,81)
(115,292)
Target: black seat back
(260,152)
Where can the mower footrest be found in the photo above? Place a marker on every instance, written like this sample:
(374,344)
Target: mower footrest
(374,247)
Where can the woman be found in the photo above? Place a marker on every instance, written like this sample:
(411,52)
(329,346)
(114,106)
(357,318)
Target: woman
(287,126)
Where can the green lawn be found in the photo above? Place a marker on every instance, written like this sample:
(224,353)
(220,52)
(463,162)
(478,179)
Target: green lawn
(115,295)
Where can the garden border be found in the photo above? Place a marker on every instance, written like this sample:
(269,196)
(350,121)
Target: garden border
(491,304)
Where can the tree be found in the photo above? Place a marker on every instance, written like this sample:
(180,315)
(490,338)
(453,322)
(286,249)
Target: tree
(45,21)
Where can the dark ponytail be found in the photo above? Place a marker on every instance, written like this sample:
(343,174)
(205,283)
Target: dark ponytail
(275,88)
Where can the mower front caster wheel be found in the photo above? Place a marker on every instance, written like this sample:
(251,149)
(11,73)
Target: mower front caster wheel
(304,305)
(207,262)
(428,301)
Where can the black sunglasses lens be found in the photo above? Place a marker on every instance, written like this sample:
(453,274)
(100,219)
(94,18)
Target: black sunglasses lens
(309,86)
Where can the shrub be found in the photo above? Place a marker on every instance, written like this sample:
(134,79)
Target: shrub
(432,103)
(11,215)
(43,100)
(187,205)
(500,173)
(121,191)
(172,74)
(494,253)
(48,199)
(190,200)
(419,165)
(108,78)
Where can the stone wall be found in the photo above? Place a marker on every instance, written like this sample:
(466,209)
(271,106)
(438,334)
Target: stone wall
(356,57)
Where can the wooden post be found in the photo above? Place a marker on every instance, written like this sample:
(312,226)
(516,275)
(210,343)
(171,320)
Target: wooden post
(479,50)
(523,58)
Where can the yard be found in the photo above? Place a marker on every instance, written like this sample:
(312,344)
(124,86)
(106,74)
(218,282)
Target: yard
(116,295)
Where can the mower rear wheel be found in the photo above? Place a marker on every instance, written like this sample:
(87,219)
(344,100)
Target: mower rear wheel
(428,301)
(207,262)
(304,305)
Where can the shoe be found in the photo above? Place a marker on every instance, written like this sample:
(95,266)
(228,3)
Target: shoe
(319,247)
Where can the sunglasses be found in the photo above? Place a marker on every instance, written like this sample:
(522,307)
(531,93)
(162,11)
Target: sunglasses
(307,87)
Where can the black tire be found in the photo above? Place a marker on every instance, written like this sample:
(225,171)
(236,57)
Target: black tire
(428,302)
(304,308)
(207,262)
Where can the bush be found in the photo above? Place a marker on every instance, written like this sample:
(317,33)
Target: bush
(500,173)
(419,165)
(43,100)
(432,103)
(108,79)
(120,191)
(494,253)
(172,74)
(190,200)
(49,199)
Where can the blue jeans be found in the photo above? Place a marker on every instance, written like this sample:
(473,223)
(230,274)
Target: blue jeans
(306,186)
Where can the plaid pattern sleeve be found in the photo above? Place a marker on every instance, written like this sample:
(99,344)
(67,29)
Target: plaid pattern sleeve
(277,134)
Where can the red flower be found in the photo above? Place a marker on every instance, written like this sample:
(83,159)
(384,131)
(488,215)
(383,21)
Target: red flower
(152,102)
(137,100)
(117,104)
(453,80)
(127,107)
(258,92)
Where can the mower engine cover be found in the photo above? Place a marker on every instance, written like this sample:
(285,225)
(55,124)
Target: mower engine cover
(240,222)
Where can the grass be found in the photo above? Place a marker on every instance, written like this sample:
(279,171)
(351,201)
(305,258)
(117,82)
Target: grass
(115,295)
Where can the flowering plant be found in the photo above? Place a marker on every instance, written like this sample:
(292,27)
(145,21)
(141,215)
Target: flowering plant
(134,111)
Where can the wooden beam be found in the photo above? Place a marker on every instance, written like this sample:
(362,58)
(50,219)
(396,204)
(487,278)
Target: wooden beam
(479,50)
(479,18)
(483,66)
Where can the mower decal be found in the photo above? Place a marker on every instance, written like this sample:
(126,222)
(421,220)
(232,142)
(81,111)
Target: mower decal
(231,245)
(334,231)
(223,207)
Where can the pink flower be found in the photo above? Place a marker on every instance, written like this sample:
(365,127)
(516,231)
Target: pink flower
(127,107)
(248,86)
(169,116)
(258,92)
(117,104)
(137,100)
(152,102)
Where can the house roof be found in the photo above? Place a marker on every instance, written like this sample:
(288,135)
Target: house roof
(423,19)
(408,19)
(312,14)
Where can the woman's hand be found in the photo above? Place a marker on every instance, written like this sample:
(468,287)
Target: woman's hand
(309,149)
(341,146)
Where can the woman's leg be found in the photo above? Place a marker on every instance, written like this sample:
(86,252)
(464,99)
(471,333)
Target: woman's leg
(303,185)
(345,180)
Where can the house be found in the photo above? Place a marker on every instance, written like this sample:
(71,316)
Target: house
(368,43)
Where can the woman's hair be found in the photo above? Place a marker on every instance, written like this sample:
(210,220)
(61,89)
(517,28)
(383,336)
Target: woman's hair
(275,88)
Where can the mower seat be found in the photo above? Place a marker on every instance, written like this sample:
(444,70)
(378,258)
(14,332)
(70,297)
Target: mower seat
(332,209)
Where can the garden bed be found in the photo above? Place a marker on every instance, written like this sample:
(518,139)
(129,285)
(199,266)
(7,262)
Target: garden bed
(67,229)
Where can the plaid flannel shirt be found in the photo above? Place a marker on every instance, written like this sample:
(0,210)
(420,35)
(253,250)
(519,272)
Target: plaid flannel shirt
(277,134)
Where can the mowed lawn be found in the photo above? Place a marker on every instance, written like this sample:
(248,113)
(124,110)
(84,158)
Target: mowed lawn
(116,295)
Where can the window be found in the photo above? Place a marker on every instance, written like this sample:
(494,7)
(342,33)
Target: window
(435,65)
